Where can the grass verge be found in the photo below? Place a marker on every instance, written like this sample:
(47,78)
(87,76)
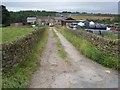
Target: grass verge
(111,36)
(90,51)
(19,77)
(61,50)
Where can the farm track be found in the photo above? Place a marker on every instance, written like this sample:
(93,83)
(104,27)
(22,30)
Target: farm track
(81,72)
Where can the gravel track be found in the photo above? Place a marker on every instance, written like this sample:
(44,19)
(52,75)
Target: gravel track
(54,72)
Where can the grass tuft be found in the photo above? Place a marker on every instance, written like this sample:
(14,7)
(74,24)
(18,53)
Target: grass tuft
(61,50)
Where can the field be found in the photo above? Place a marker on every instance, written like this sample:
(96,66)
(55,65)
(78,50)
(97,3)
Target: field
(93,17)
(11,34)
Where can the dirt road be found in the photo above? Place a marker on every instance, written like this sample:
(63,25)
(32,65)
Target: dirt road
(54,72)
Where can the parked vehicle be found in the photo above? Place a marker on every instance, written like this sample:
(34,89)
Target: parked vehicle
(99,26)
(33,26)
(97,31)
(73,25)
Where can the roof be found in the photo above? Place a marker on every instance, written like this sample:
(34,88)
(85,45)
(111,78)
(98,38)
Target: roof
(58,18)
(69,18)
(32,18)
(82,20)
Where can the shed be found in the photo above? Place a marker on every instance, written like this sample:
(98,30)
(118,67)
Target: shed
(58,21)
(67,21)
(84,23)
(31,20)
(44,20)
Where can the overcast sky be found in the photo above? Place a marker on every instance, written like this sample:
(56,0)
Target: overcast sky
(64,5)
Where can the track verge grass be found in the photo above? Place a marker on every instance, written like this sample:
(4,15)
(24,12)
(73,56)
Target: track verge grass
(90,51)
(61,50)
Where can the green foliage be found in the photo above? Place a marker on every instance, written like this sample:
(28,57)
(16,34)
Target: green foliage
(5,15)
(104,21)
(117,19)
(90,50)
(21,16)
(19,76)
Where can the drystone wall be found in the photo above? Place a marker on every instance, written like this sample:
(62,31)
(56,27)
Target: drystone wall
(106,45)
(13,53)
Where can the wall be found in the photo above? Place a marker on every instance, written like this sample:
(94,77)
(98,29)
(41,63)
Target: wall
(106,45)
(14,53)
(16,24)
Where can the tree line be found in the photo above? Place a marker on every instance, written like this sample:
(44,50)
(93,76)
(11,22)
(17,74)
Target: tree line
(21,16)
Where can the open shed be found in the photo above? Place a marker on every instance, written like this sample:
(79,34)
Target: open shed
(69,20)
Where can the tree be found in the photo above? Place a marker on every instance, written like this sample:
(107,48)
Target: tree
(5,15)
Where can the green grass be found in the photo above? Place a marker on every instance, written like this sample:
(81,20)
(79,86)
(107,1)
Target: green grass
(61,51)
(19,77)
(111,36)
(90,51)
(11,34)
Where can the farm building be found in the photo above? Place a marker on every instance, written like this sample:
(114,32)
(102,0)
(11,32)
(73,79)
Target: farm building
(84,23)
(31,20)
(44,20)
(58,21)
(41,21)
(16,24)
(68,21)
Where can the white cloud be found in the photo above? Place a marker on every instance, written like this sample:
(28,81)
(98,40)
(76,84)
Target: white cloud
(60,0)
(99,7)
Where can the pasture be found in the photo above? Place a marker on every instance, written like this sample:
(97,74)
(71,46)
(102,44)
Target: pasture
(93,17)
(11,34)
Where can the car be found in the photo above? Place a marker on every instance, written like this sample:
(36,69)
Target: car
(51,25)
(33,26)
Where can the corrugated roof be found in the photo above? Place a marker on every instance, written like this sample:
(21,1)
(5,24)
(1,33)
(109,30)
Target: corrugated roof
(33,18)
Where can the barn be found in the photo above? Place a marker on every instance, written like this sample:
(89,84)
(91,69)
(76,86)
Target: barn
(67,21)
